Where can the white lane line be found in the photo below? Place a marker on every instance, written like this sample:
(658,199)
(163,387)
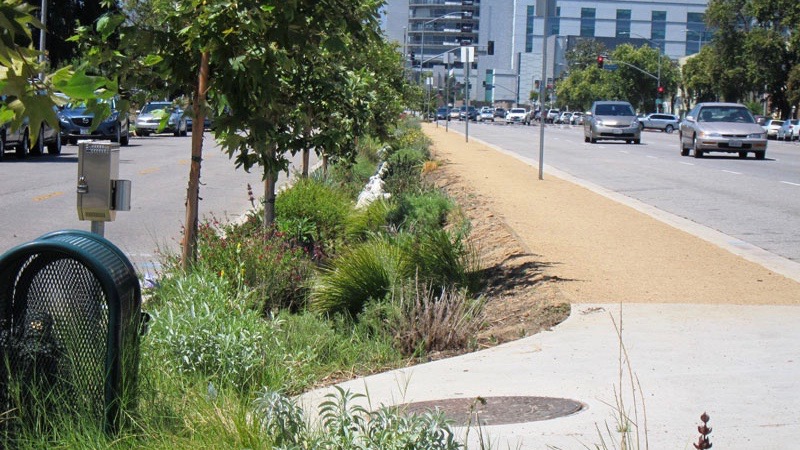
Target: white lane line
(652,157)
(790,183)
(688,164)
(732,172)
(625,151)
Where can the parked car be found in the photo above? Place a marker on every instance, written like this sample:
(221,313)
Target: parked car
(442,113)
(721,127)
(500,113)
(19,139)
(486,114)
(76,124)
(564,117)
(771,126)
(659,121)
(151,116)
(788,130)
(577,118)
(611,120)
(516,115)
(552,115)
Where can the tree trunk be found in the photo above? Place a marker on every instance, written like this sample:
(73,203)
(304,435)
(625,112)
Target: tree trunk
(324,165)
(189,255)
(306,154)
(269,193)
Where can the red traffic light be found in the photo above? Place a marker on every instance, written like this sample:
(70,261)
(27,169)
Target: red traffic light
(661,89)
(600,60)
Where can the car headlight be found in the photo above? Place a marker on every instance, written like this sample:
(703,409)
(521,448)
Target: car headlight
(112,118)
(63,120)
(757,136)
(635,123)
(598,122)
(710,134)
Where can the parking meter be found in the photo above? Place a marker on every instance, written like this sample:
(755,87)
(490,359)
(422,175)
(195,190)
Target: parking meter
(100,193)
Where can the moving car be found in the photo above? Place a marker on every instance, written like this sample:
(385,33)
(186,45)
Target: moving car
(486,114)
(611,120)
(152,114)
(771,126)
(442,113)
(516,115)
(76,124)
(500,113)
(788,130)
(722,127)
(455,113)
(465,113)
(659,121)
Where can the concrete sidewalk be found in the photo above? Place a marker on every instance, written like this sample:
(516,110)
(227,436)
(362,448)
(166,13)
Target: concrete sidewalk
(740,364)
(691,350)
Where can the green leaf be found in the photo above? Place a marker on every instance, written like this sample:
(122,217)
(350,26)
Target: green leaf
(107,24)
(152,60)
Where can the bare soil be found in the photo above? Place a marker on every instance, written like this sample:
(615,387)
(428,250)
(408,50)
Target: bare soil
(547,244)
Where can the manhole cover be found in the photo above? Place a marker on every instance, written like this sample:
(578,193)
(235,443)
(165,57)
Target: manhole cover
(496,410)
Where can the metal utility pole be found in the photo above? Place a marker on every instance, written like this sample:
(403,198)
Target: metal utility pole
(42,34)
(543,9)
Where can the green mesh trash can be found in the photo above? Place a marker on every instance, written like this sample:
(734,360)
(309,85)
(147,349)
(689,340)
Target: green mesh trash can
(70,325)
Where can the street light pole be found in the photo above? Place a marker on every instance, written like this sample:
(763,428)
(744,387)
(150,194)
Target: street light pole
(422,38)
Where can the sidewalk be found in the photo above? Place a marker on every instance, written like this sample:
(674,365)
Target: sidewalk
(705,330)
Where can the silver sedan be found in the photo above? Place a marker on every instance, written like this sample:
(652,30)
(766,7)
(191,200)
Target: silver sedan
(722,127)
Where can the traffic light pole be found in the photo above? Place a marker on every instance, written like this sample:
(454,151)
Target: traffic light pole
(601,59)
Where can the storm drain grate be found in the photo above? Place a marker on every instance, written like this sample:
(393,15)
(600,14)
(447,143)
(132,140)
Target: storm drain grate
(496,410)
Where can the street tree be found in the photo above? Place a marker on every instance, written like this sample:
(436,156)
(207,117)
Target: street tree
(698,83)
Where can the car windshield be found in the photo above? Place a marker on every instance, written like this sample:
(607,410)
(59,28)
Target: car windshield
(150,107)
(517,110)
(725,114)
(614,110)
(82,105)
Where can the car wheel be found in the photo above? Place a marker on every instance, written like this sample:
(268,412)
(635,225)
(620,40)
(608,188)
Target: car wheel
(668,129)
(25,146)
(2,146)
(637,141)
(117,133)
(592,140)
(684,150)
(124,139)
(585,138)
(73,142)
(697,153)
(38,149)
(55,147)
(742,155)
(761,155)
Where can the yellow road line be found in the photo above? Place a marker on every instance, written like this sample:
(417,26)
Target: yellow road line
(41,198)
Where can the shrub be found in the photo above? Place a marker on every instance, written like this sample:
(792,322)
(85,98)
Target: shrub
(404,172)
(273,268)
(443,258)
(319,204)
(422,211)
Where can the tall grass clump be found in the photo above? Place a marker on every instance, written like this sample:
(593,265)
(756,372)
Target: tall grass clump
(273,268)
(364,272)
(420,211)
(404,172)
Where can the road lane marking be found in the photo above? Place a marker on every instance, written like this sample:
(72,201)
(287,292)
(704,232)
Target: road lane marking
(688,164)
(149,170)
(652,157)
(790,183)
(41,198)
(732,172)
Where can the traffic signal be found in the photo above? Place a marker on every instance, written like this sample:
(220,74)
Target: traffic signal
(411,57)
(660,90)
(490,48)
(600,60)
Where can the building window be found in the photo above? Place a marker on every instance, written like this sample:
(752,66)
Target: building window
(555,23)
(623,23)
(658,28)
(529,29)
(696,34)
(587,22)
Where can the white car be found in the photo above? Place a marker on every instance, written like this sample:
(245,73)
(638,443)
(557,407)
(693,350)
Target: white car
(486,114)
(516,115)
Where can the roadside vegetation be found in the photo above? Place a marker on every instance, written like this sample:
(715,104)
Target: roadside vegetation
(329,292)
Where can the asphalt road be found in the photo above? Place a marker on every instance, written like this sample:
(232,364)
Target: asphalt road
(755,201)
(38,195)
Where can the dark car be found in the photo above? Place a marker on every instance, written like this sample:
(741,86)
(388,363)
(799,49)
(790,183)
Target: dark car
(442,113)
(19,139)
(500,113)
(76,124)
